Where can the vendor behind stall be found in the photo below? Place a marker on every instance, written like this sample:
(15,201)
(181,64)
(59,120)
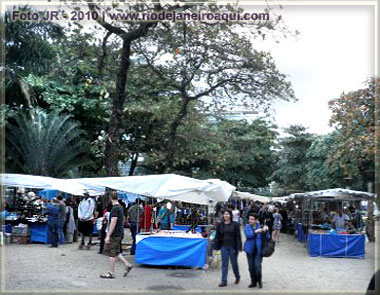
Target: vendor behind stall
(339,220)
(351,228)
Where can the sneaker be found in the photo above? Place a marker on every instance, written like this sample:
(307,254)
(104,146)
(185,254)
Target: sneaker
(222,285)
(127,270)
(237,281)
(252,285)
(80,246)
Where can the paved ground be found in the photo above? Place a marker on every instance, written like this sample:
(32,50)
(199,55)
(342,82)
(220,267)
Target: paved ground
(35,267)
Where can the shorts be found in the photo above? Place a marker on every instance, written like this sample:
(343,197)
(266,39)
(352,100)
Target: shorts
(113,248)
(85,227)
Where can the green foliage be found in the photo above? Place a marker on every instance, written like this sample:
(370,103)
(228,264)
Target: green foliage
(320,173)
(354,119)
(27,43)
(291,172)
(41,143)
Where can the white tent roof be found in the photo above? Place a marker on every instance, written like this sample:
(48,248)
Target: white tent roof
(167,186)
(244,195)
(337,193)
(44,182)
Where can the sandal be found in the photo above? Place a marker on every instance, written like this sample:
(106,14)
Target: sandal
(127,270)
(109,275)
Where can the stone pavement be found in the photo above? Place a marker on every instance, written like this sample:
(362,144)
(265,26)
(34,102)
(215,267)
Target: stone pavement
(39,269)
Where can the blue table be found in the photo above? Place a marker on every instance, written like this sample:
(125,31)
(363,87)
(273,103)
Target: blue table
(178,251)
(185,227)
(335,245)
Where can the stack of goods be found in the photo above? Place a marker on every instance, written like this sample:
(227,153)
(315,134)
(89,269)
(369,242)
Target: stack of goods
(20,234)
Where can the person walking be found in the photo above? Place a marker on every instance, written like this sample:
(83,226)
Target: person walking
(134,214)
(228,240)
(52,210)
(252,246)
(61,219)
(86,211)
(113,239)
(70,223)
(277,225)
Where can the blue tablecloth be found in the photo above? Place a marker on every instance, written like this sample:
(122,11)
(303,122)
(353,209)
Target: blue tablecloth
(185,227)
(335,245)
(39,233)
(171,251)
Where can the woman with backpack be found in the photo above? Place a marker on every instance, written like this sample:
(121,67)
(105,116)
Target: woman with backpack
(253,248)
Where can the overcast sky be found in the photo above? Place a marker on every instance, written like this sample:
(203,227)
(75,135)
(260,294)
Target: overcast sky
(334,53)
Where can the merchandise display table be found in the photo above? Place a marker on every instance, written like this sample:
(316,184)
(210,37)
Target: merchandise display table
(185,227)
(171,248)
(336,245)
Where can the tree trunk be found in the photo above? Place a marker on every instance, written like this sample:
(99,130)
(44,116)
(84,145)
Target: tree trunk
(169,158)
(112,150)
(133,164)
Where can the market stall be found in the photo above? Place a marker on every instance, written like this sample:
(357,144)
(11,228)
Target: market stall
(322,239)
(336,244)
(171,248)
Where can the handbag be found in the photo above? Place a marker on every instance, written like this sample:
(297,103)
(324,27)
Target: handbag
(268,247)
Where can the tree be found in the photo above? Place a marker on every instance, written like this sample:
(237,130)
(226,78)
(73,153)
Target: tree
(291,171)
(354,119)
(27,51)
(47,144)
(320,173)
(249,154)
(211,62)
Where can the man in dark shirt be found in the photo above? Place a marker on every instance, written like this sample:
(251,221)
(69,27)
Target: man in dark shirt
(113,238)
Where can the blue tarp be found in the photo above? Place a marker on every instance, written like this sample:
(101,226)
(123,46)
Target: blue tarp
(185,227)
(302,237)
(335,245)
(39,233)
(51,193)
(172,251)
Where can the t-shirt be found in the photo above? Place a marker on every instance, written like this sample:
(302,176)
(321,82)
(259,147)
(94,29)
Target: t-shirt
(117,211)
(229,235)
(235,215)
(339,221)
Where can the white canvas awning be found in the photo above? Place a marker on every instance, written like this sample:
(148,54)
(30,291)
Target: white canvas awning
(44,182)
(167,186)
(244,195)
(338,193)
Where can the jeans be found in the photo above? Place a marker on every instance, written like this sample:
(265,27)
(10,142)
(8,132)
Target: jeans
(165,226)
(53,234)
(254,266)
(229,252)
(133,228)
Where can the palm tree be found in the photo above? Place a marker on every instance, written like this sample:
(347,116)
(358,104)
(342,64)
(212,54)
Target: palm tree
(40,143)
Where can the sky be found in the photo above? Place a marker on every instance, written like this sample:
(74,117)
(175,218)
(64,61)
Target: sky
(334,53)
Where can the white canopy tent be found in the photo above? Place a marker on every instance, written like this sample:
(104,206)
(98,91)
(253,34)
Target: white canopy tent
(166,186)
(244,195)
(44,182)
(338,193)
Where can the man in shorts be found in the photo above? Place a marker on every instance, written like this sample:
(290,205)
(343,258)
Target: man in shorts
(113,238)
